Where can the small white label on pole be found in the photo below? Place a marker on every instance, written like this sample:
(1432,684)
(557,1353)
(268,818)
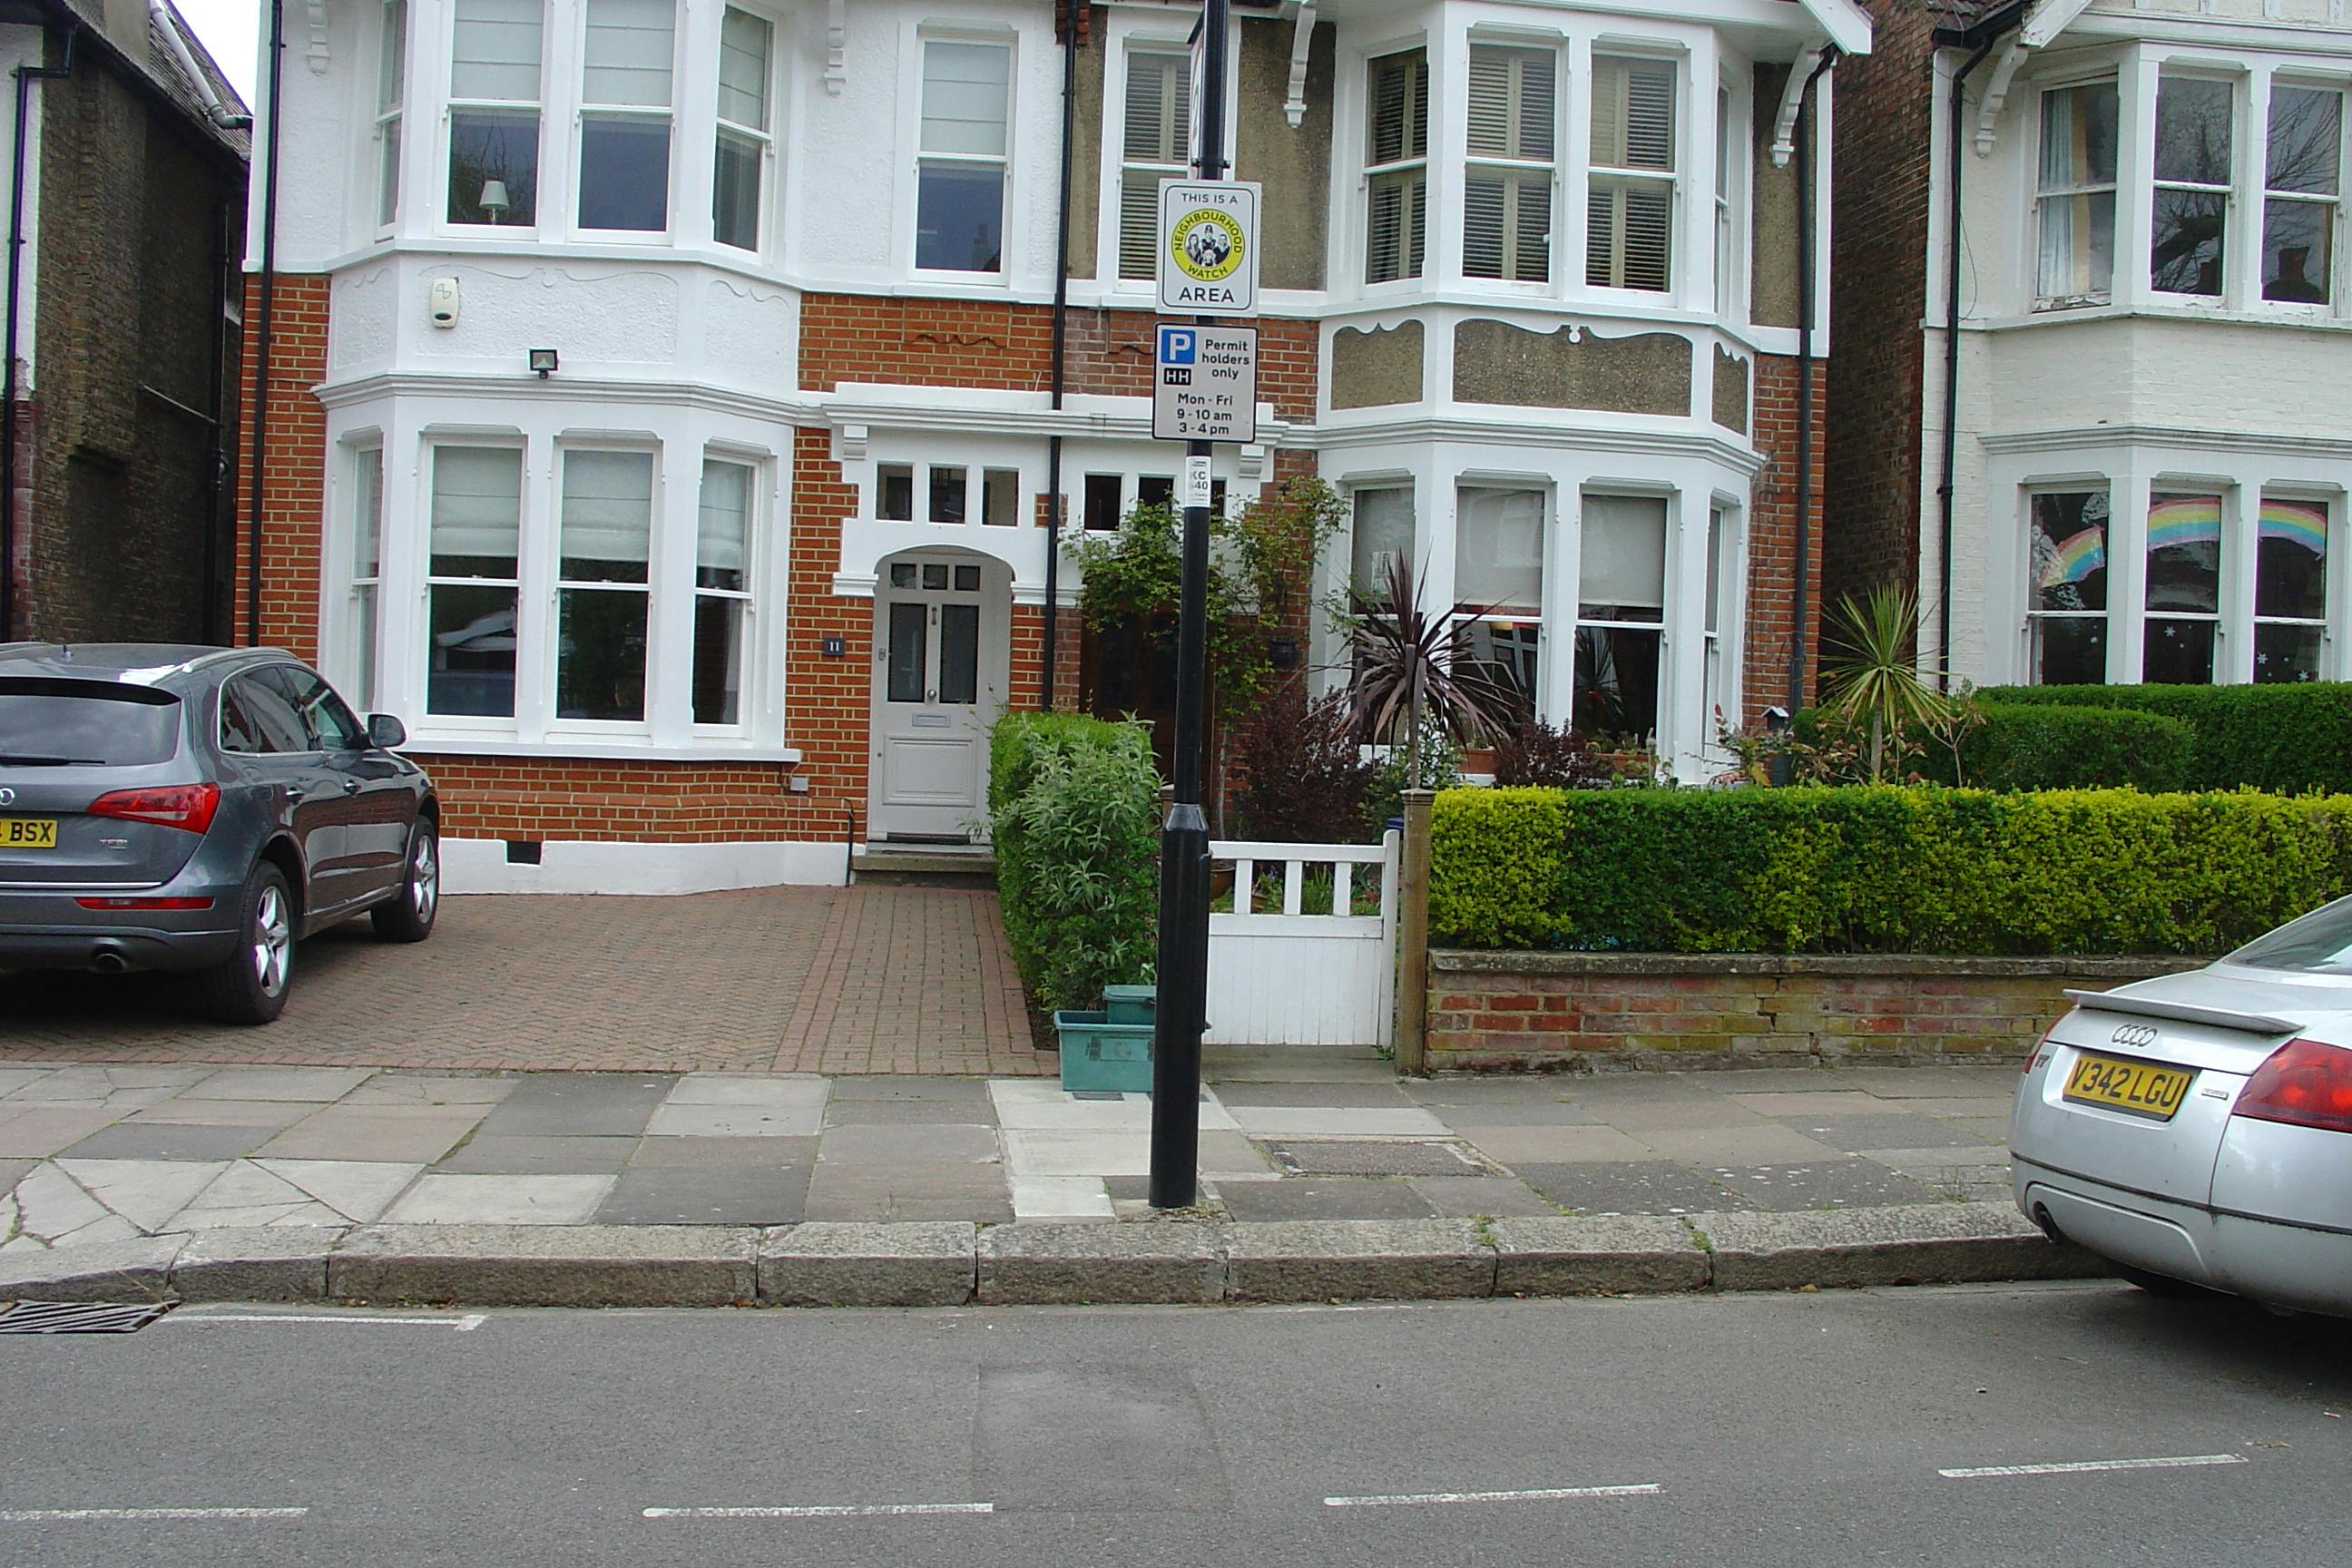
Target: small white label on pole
(1204,384)
(1197,490)
(1208,247)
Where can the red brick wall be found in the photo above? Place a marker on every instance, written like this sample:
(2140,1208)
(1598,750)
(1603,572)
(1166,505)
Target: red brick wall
(294,464)
(1883,195)
(1772,536)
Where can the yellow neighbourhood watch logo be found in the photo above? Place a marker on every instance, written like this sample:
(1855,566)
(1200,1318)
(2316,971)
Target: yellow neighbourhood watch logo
(1206,245)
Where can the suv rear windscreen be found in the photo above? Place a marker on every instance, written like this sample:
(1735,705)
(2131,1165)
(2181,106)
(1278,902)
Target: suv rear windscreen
(59,723)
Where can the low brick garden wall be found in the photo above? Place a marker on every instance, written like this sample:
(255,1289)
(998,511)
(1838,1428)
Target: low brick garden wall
(1576,1012)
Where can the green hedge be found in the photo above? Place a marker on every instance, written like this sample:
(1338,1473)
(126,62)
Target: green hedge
(2048,746)
(1074,810)
(2289,738)
(1878,870)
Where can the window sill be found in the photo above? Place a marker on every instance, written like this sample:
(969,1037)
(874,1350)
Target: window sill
(2171,309)
(456,744)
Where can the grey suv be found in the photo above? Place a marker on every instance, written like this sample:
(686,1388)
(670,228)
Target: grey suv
(191,808)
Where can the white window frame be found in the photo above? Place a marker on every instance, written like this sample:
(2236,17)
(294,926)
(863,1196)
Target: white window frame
(763,137)
(1160,52)
(391,97)
(1598,177)
(585,109)
(1535,621)
(1408,171)
(526,667)
(2112,615)
(2265,93)
(654,588)
(2233,282)
(1722,633)
(536,108)
(1669,719)
(1008,260)
(1516,173)
(2332,579)
(2228,531)
(2120,245)
(363,601)
(1732,146)
(757,486)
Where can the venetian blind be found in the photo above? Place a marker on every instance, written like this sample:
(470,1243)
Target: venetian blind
(497,50)
(1159,103)
(965,89)
(744,41)
(628,52)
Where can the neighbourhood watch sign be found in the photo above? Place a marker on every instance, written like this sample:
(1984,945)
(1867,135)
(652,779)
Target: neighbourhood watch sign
(1208,247)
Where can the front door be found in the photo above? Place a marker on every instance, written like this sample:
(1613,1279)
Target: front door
(941,656)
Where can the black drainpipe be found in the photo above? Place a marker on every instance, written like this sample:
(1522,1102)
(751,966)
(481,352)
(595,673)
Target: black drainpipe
(1948,486)
(26,76)
(257,448)
(1074,20)
(1806,265)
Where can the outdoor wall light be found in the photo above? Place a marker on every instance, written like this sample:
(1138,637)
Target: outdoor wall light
(543,361)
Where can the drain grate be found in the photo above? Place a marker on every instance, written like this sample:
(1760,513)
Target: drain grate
(79,1317)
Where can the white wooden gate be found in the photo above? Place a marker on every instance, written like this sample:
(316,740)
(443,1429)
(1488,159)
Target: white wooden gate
(1314,964)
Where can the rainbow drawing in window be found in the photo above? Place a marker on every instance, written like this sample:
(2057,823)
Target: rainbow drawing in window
(2297,522)
(2076,557)
(2179,522)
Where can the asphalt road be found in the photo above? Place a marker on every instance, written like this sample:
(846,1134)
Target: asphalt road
(1732,1430)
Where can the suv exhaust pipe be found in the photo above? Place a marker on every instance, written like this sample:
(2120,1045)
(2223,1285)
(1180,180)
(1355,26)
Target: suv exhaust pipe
(110,963)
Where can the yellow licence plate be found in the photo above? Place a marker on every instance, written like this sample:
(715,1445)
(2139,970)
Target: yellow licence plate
(2142,1089)
(28,833)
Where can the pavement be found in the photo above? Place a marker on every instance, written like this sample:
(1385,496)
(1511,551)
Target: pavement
(1323,1176)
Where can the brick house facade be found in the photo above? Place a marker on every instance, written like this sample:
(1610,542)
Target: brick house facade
(738,582)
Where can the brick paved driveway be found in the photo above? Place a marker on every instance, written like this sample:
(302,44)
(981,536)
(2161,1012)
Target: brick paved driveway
(776,980)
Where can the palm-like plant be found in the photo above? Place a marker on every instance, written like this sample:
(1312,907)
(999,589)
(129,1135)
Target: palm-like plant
(1407,662)
(1870,675)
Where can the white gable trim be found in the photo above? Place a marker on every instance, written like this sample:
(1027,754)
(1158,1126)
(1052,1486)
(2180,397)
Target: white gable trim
(1847,24)
(2048,19)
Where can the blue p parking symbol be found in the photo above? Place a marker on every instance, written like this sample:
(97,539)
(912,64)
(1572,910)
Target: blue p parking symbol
(1177,345)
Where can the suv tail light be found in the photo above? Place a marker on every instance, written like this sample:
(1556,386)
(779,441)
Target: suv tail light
(188,808)
(2304,1084)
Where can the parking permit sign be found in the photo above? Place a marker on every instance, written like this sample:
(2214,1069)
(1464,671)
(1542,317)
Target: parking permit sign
(1204,384)
(1208,247)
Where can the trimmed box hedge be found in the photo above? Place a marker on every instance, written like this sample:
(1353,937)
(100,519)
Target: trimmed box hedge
(1878,870)
(1074,810)
(2290,737)
(2054,746)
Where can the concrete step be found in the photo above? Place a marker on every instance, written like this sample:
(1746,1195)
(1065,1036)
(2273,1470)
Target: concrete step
(924,866)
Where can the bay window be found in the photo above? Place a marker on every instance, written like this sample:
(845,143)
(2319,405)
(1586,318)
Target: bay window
(1499,572)
(473,581)
(2289,589)
(494,102)
(1396,167)
(625,121)
(2184,588)
(1728,148)
(2303,188)
(1154,146)
(2067,614)
(1620,615)
(2075,206)
(1381,540)
(1507,188)
(605,541)
(960,172)
(1717,698)
(2189,251)
(367,574)
(722,589)
(745,42)
(391,92)
(1628,243)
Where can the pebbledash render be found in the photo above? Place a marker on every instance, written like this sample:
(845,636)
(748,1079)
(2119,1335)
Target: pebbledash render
(661,390)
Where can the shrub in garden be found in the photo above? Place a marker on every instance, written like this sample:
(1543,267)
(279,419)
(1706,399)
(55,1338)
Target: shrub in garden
(1305,774)
(1074,810)
(1532,753)
(2036,747)
(1878,870)
(2288,737)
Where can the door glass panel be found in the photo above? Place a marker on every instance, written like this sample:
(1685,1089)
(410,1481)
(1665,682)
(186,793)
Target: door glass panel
(902,575)
(907,634)
(967,579)
(958,653)
(934,576)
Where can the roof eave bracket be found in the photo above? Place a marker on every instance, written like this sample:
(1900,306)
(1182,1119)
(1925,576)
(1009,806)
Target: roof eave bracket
(1792,99)
(1996,95)
(1302,44)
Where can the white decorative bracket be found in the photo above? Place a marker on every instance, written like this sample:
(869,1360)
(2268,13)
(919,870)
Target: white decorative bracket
(1251,464)
(318,53)
(849,443)
(1302,44)
(1996,94)
(836,46)
(1792,99)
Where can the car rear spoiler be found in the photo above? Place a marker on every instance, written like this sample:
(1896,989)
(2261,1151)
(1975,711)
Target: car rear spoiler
(2183,1013)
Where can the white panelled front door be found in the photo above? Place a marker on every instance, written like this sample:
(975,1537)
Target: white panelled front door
(941,661)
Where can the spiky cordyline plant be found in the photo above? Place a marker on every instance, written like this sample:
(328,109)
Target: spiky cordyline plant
(1870,677)
(1407,662)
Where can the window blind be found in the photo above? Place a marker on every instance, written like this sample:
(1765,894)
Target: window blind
(723,525)
(1511,99)
(628,52)
(476,502)
(744,41)
(608,511)
(1157,132)
(1633,114)
(497,51)
(1384,533)
(1400,107)
(367,516)
(392,69)
(1499,549)
(965,90)
(1623,557)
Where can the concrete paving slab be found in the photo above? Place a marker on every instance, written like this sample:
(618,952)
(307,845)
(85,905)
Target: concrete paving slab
(500,1200)
(1043,1262)
(705,1153)
(1955,1105)
(490,1155)
(1935,1080)
(778,1091)
(1345,1122)
(136,1269)
(318,1085)
(430,1089)
(1893,1131)
(837,1265)
(581,1105)
(801,1120)
(1514,1146)
(1499,1091)
(163,1141)
(1911,1245)
(147,1192)
(1231,1156)
(1373,1157)
(307,1215)
(1038,1154)
(1468,1197)
(1641,1117)
(887,1087)
(1560,1256)
(905,1112)
(10,1170)
(382,1134)
(1990,1128)
(36,1132)
(80,1086)
(534,1266)
(358,1190)
(110,1227)
(1514,1113)
(719,1194)
(13,1079)
(892,1194)
(1326,1198)
(272,1115)
(50,1205)
(1060,1197)
(1629,1188)
(254,1265)
(1987,1155)
(1394,1259)
(1767,1145)
(1222,1064)
(1849,1182)
(1812,1102)
(1326,1096)
(872,1144)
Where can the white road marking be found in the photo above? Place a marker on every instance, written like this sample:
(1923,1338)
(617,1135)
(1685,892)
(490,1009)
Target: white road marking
(62,1515)
(2088,1466)
(835,1510)
(465,1325)
(1541,1494)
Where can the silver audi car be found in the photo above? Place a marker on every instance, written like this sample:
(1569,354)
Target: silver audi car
(201,809)
(2197,1128)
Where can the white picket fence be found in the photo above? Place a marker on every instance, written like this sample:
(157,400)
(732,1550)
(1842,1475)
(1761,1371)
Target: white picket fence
(1316,971)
